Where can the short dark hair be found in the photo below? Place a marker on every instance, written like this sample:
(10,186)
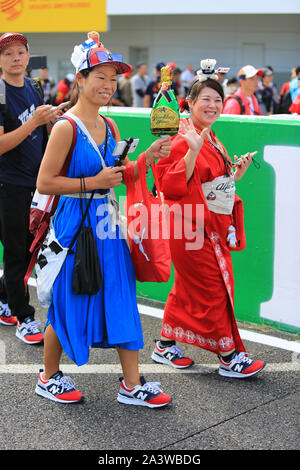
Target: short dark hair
(232,80)
(297,70)
(198,86)
(139,64)
(177,70)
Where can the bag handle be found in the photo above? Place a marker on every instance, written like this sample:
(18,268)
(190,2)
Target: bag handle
(70,153)
(141,165)
(63,171)
(83,192)
(131,184)
(43,225)
(81,223)
(93,143)
(82,197)
(86,132)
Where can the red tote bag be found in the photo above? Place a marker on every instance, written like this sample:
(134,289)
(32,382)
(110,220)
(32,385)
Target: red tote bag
(147,229)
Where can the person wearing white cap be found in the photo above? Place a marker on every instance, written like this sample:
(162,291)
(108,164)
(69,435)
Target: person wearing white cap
(243,101)
(23,116)
(70,77)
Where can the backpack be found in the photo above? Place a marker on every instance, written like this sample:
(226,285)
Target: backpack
(238,99)
(285,103)
(43,206)
(242,105)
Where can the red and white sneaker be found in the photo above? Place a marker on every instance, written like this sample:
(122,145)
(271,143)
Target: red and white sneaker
(148,394)
(58,388)
(171,356)
(240,366)
(6,318)
(29,331)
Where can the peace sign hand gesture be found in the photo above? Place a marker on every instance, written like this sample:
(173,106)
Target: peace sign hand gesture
(190,135)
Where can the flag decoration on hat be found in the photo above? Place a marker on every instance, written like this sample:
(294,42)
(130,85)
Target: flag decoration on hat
(92,52)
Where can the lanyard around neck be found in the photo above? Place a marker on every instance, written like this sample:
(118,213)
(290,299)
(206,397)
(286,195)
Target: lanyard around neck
(219,147)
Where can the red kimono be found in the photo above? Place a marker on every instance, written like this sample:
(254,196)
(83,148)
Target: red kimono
(200,307)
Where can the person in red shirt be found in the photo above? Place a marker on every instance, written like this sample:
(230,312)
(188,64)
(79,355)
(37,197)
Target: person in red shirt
(286,86)
(64,88)
(295,106)
(243,101)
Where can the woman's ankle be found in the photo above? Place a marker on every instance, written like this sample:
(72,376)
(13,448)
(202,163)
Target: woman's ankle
(131,383)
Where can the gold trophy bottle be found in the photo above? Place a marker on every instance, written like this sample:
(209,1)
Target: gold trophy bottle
(165,114)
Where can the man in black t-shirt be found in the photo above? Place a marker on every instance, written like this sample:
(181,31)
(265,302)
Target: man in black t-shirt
(23,117)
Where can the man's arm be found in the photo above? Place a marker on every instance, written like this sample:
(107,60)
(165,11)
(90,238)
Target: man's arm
(135,87)
(10,140)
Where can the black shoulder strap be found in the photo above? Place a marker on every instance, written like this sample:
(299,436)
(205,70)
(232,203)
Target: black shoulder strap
(238,99)
(38,86)
(242,106)
(109,122)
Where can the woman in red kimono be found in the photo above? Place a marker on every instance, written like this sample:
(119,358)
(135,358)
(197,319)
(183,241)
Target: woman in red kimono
(199,174)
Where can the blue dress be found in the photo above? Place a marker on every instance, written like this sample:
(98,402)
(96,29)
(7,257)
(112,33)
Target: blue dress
(109,318)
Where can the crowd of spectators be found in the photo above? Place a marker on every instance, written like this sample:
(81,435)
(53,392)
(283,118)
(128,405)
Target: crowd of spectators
(257,87)
(138,88)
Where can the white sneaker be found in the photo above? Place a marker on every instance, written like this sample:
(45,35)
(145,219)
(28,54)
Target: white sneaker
(29,331)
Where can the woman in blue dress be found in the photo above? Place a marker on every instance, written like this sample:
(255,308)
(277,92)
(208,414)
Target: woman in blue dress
(109,318)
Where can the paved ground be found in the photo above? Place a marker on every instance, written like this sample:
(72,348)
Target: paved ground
(208,412)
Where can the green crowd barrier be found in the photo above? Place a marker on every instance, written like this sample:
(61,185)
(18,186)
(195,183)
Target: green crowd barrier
(267,274)
(267,279)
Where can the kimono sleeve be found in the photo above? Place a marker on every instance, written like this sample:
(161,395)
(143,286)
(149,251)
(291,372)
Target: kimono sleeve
(171,172)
